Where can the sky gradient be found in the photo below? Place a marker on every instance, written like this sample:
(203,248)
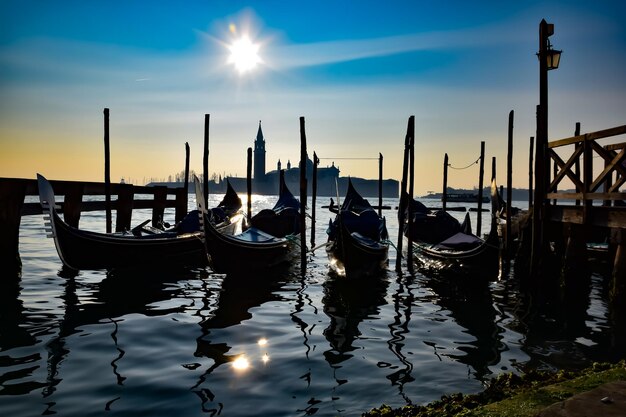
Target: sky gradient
(355,70)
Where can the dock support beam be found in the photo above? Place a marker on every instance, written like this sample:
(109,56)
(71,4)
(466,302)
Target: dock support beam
(11,202)
(617,293)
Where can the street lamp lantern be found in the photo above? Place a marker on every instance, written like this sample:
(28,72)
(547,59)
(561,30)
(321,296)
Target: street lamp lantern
(552,57)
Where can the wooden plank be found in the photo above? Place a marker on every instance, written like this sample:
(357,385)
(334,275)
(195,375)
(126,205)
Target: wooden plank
(613,164)
(586,196)
(615,146)
(62,187)
(600,134)
(565,169)
(598,216)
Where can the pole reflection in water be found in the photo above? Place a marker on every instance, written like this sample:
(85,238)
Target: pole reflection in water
(470,304)
(347,303)
(403,300)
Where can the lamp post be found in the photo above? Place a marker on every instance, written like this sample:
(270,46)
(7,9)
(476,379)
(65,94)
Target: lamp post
(548,60)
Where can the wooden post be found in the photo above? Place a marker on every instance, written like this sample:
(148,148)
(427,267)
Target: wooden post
(409,245)
(303,185)
(186,181)
(249,183)
(577,163)
(403,201)
(509,187)
(125,196)
(444,196)
(575,258)
(380,184)
(530,173)
(160,197)
(493,168)
(617,294)
(107,172)
(12,195)
(181,209)
(316,162)
(587,178)
(537,251)
(481,174)
(205,161)
(72,204)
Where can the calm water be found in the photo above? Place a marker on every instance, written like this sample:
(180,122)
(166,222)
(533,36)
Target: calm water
(197,343)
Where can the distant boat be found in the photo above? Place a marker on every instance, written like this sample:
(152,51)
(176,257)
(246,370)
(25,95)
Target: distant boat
(464,198)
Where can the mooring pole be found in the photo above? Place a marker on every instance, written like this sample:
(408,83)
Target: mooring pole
(444,195)
(107,173)
(186,181)
(316,162)
(249,183)
(530,173)
(403,202)
(481,175)
(509,186)
(380,184)
(303,185)
(205,161)
(577,163)
(409,246)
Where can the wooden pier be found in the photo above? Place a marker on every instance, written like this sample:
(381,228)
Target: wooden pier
(12,207)
(594,211)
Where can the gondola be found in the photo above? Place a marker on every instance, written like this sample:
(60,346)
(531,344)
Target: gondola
(284,218)
(441,243)
(358,243)
(82,249)
(251,250)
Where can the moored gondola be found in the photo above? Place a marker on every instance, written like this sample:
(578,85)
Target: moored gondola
(82,249)
(250,250)
(441,243)
(284,218)
(358,243)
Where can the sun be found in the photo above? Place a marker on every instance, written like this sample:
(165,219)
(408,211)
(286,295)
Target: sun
(244,54)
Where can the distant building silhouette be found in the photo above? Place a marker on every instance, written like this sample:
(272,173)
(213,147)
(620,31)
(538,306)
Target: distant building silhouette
(259,156)
(327,178)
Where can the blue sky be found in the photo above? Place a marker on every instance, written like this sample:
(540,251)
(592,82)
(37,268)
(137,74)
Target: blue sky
(355,70)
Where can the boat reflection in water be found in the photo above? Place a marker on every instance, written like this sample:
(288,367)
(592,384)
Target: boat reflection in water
(347,303)
(470,303)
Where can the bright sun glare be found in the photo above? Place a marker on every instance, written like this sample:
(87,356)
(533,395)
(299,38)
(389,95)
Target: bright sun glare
(244,54)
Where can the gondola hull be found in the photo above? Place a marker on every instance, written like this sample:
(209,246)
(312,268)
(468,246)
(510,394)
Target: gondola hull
(355,256)
(482,260)
(82,249)
(243,252)
(357,239)
(458,253)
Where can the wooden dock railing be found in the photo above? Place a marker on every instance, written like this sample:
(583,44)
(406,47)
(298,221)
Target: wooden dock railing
(14,190)
(611,177)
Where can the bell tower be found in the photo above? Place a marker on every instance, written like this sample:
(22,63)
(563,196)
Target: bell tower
(259,156)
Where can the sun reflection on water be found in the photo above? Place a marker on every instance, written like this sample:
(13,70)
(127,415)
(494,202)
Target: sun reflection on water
(241,363)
